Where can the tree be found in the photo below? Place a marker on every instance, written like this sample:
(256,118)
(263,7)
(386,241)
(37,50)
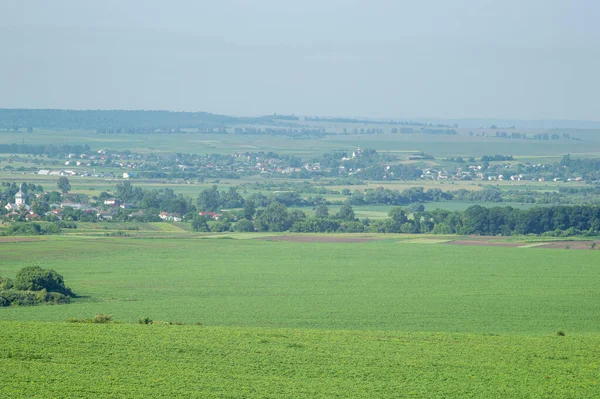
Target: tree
(5,284)
(232,199)
(398,215)
(322,211)
(34,278)
(199,223)
(209,199)
(249,209)
(416,207)
(346,213)
(274,217)
(244,225)
(63,184)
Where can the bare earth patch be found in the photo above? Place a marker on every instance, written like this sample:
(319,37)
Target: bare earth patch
(572,245)
(317,239)
(490,242)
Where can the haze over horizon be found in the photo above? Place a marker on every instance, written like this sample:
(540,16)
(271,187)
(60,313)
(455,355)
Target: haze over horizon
(379,59)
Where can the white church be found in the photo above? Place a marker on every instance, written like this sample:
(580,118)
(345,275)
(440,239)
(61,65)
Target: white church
(20,198)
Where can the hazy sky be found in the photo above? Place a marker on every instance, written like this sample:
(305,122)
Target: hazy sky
(527,59)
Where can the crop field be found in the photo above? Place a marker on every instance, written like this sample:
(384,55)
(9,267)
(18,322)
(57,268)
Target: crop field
(370,318)
(438,145)
(142,361)
(376,285)
(367,318)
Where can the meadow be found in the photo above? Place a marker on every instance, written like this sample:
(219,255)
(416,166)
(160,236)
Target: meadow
(142,361)
(394,317)
(389,284)
(440,146)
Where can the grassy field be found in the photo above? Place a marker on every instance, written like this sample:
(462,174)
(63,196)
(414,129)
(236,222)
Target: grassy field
(141,361)
(377,285)
(360,320)
(374,319)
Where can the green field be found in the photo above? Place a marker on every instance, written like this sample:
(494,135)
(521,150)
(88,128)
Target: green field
(461,144)
(373,319)
(141,361)
(378,285)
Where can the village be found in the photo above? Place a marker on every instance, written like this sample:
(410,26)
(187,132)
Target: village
(190,167)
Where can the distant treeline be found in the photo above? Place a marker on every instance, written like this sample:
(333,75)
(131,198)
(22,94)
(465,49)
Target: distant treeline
(497,157)
(123,121)
(478,220)
(372,122)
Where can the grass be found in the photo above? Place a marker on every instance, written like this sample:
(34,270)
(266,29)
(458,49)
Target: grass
(370,286)
(141,361)
(303,320)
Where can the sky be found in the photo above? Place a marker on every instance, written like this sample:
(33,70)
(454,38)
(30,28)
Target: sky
(513,59)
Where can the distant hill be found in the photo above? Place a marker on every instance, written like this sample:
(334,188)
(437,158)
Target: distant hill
(123,120)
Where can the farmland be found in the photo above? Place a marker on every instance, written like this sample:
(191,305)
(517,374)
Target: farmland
(268,312)
(377,285)
(391,317)
(137,361)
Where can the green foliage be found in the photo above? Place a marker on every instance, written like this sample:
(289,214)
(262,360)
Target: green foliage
(215,362)
(20,298)
(199,223)
(63,184)
(416,207)
(209,199)
(220,226)
(34,278)
(101,318)
(33,286)
(5,283)
(244,225)
(346,213)
(32,229)
(274,217)
(322,211)
(368,285)
(358,317)
(249,209)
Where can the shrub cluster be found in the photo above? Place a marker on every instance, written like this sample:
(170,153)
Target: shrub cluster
(34,285)
(100,318)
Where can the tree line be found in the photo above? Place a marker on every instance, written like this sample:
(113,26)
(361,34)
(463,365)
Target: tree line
(477,220)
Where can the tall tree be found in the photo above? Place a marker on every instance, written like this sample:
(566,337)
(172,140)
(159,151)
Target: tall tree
(63,184)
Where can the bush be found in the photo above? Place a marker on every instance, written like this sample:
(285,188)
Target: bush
(57,298)
(145,320)
(561,333)
(20,298)
(101,318)
(77,320)
(34,278)
(32,229)
(5,284)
